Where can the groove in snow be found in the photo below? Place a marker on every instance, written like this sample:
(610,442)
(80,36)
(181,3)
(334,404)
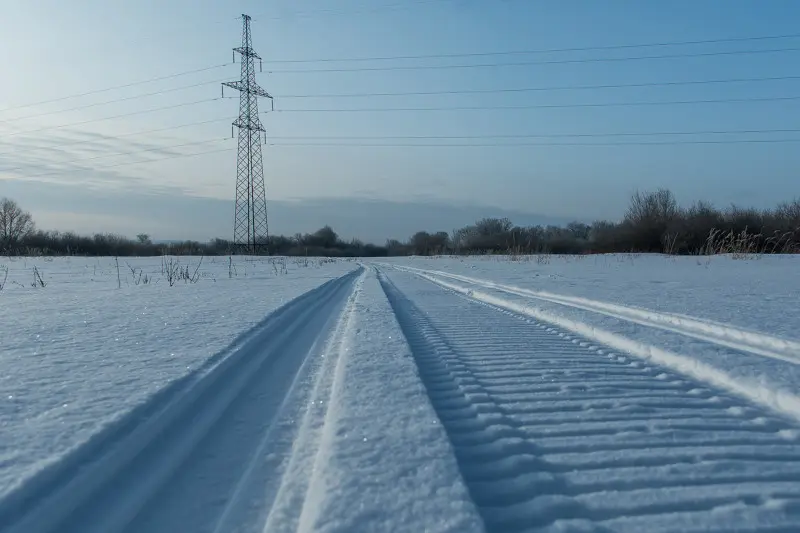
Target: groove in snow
(761,393)
(705,330)
(553,436)
(175,469)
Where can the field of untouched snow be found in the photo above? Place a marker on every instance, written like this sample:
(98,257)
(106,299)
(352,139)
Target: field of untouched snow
(613,393)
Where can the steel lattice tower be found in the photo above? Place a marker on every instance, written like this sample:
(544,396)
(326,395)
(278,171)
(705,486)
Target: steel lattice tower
(250,227)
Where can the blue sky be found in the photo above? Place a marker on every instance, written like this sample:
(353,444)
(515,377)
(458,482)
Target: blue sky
(72,176)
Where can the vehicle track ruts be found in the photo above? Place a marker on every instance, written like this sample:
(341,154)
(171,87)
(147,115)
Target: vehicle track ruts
(181,468)
(551,431)
(724,335)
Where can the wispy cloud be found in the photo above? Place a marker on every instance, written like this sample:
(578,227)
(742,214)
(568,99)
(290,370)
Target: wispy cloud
(88,223)
(85,177)
(174,214)
(70,141)
(78,157)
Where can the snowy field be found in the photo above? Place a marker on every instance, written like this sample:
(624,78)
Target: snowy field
(740,316)
(81,351)
(602,393)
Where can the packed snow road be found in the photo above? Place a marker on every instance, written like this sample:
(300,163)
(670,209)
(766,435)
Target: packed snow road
(388,400)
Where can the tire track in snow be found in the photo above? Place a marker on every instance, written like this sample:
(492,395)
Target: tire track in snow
(757,389)
(721,334)
(293,509)
(196,460)
(371,454)
(552,432)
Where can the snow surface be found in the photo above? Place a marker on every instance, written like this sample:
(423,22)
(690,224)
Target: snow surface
(738,317)
(78,353)
(554,432)
(758,294)
(605,393)
(375,455)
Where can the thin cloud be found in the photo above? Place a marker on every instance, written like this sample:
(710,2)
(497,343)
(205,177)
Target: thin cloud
(30,156)
(123,179)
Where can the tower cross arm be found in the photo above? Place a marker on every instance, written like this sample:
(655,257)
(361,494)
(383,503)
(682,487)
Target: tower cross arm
(245,87)
(247,52)
(253,124)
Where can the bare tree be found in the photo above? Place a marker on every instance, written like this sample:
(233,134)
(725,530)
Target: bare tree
(579,230)
(648,218)
(490,227)
(652,207)
(324,237)
(15,223)
(421,243)
(440,241)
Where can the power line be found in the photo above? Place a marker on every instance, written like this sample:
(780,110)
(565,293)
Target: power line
(545,136)
(532,63)
(478,145)
(428,93)
(431,137)
(540,50)
(117,100)
(331,12)
(472,54)
(418,93)
(412,145)
(435,137)
(544,106)
(425,93)
(416,145)
(475,54)
(113,154)
(546,88)
(401,109)
(115,87)
(101,119)
(428,145)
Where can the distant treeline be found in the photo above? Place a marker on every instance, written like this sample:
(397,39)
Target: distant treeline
(654,222)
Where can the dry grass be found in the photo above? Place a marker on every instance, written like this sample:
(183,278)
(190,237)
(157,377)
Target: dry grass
(744,245)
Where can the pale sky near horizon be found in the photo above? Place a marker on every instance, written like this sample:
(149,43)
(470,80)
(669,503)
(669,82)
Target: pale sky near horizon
(54,155)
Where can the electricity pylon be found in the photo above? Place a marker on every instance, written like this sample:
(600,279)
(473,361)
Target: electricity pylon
(250,227)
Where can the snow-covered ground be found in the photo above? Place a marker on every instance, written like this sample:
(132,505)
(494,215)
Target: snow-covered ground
(739,317)
(79,352)
(603,393)
(755,293)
